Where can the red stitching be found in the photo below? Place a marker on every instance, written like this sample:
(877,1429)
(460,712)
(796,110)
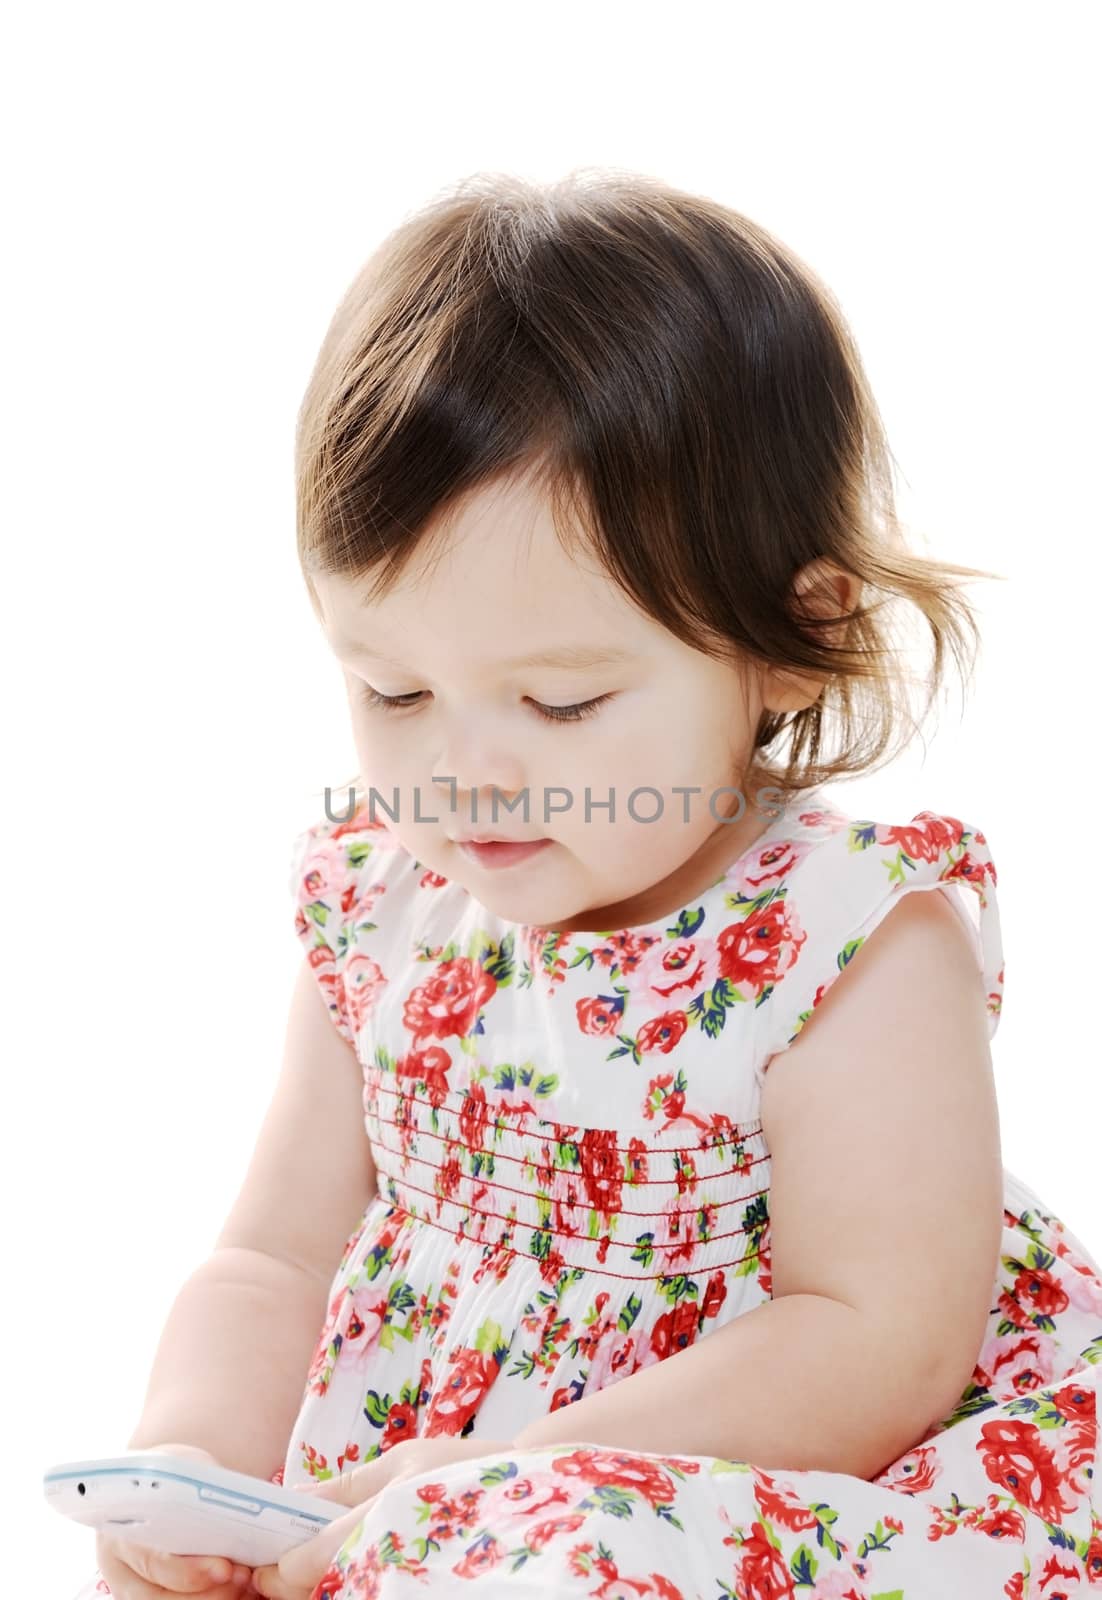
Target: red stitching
(600,1272)
(559,1233)
(503,1155)
(651,1149)
(621,1211)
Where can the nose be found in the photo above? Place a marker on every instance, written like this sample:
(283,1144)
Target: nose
(486,803)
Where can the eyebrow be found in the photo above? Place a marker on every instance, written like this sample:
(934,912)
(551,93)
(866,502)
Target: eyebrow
(566,656)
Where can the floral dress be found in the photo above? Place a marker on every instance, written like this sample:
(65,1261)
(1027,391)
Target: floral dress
(573,1184)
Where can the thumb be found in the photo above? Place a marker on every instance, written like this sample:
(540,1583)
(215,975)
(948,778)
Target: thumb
(335,1488)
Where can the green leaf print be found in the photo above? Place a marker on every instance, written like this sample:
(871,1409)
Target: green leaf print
(357,851)
(508,1077)
(645,1252)
(499,1474)
(1093,1352)
(976,1398)
(611,1498)
(687,924)
(827,1516)
(628,1047)
(678,1287)
(377,1408)
(502,964)
(878,1539)
(804,1565)
(629,1313)
(711,1008)
(488,1340)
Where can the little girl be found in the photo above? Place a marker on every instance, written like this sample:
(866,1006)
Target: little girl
(659,1134)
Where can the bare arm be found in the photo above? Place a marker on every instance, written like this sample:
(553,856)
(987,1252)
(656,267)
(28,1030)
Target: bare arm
(232,1360)
(885,1218)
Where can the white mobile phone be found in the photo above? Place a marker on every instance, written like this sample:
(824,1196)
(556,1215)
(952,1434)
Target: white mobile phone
(187,1507)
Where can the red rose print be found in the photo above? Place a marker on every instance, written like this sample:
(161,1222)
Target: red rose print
(363,982)
(1074,1400)
(474,1117)
(449,1002)
(484,1554)
(763,1571)
(1040,1293)
(714,1295)
(661,1033)
(602,1173)
(1002,1523)
(643,1475)
(1093,1563)
(401,1423)
(1018,1460)
(459,1397)
(969,870)
(543,1532)
(551,1267)
(925,838)
(637,1160)
(430,1067)
(781,1504)
(913,1473)
(323,965)
(675,1330)
(600,1014)
(761,949)
(626,950)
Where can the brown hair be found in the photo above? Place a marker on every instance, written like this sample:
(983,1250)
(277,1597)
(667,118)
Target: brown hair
(690,399)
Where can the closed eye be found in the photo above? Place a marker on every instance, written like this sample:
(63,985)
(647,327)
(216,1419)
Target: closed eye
(575,713)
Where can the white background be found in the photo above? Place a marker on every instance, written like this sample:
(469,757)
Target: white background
(189,190)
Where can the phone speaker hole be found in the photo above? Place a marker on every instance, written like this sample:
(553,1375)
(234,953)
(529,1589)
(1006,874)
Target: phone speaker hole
(81,1489)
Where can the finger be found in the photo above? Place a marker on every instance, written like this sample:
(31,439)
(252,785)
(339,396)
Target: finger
(127,1584)
(304,1567)
(137,1573)
(270,1586)
(365,1481)
(196,1575)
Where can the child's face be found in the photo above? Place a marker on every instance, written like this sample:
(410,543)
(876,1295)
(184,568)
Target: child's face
(503,588)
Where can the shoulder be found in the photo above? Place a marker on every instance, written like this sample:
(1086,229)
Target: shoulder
(345,878)
(846,876)
(335,858)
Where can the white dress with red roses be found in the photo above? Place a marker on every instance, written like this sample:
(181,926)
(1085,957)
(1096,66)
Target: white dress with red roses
(573,1183)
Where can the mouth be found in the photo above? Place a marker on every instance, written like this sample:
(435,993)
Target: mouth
(487,852)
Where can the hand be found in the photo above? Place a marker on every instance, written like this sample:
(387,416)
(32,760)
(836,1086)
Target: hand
(134,1572)
(301,1570)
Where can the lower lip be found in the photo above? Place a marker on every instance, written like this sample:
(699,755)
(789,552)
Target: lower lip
(502,855)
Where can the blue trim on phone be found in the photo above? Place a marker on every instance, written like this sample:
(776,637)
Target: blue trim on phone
(252,1503)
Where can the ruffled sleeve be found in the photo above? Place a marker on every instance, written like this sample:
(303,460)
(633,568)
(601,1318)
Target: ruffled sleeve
(840,890)
(338,872)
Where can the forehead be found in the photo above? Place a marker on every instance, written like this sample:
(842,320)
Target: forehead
(496,581)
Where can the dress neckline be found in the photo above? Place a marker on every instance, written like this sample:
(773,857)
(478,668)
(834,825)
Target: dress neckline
(523,931)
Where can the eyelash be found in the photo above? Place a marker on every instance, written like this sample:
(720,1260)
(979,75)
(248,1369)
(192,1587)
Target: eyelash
(576,713)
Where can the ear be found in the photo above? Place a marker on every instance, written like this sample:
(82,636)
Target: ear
(819,590)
